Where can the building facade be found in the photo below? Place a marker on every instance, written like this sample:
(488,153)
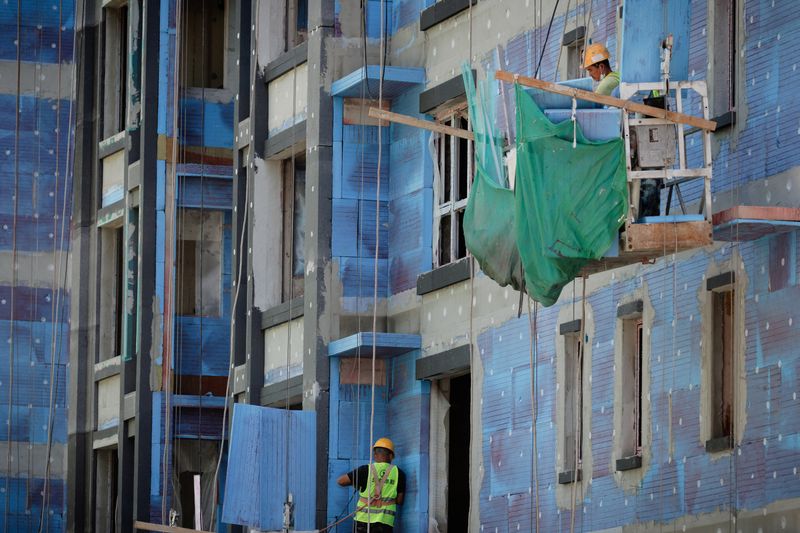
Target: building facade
(244,230)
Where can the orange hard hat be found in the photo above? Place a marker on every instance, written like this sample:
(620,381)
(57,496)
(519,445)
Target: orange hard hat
(383,442)
(594,53)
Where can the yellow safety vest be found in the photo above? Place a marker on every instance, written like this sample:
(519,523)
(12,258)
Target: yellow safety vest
(378,502)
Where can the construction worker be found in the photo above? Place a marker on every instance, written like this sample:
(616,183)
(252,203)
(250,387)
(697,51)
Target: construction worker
(595,61)
(381,487)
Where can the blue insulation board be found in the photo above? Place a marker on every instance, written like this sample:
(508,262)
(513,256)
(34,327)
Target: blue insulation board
(35,209)
(261,438)
(645,23)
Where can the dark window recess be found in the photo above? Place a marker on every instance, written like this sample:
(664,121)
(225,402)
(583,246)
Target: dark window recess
(203,46)
(458,456)
(119,289)
(723,89)
(722,364)
(186,480)
(573,402)
(296,30)
(115,71)
(294,202)
(444,240)
(630,436)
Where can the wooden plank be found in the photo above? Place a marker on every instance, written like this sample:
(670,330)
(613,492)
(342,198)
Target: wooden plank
(627,105)
(753,212)
(146,526)
(667,237)
(374,112)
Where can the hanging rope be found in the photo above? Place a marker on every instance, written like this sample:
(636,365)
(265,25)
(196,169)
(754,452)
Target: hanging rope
(578,406)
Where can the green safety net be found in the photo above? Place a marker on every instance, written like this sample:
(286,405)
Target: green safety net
(569,201)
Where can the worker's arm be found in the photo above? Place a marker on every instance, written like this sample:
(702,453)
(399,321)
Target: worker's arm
(400,497)
(344,480)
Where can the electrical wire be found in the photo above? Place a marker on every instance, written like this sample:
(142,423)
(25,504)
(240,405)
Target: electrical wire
(546,38)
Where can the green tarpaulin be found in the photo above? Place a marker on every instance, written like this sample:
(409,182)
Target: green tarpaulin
(565,210)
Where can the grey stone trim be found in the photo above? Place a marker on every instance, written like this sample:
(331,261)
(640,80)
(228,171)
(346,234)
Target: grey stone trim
(287,61)
(441,11)
(629,463)
(444,364)
(573,326)
(280,313)
(630,310)
(444,276)
(719,444)
(436,96)
(568,476)
(278,146)
(717,282)
(275,394)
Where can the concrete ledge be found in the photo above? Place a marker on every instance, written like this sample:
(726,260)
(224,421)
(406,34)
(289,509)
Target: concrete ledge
(722,280)
(386,344)
(105,438)
(569,476)
(107,368)
(630,310)
(444,364)
(111,215)
(129,406)
(275,394)
(441,11)
(573,326)
(287,61)
(719,444)
(629,463)
(444,276)
(282,313)
(112,145)
(282,144)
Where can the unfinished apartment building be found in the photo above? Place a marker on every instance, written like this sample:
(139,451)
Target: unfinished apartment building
(267,276)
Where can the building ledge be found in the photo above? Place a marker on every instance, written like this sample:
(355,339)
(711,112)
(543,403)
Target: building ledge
(569,476)
(386,344)
(629,463)
(365,81)
(748,223)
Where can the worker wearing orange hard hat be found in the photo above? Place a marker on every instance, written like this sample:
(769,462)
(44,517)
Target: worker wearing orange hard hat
(595,61)
(381,488)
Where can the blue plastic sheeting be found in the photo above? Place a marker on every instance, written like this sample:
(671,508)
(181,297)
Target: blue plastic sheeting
(548,100)
(645,23)
(396,81)
(271,451)
(597,124)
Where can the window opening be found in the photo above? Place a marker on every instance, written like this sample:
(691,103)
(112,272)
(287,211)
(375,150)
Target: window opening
(631,387)
(115,70)
(722,364)
(723,65)
(296,23)
(203,51)
(573,43)
(455,158)
(573,402)
(119,289)
(106,490)
(294,203)
(458,440)
(199,263)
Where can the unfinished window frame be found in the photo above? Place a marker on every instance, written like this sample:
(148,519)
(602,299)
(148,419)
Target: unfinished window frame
(450,201)
(573,43)
(294,32)
(721,362)
(213,46)
(632,372)
(572,405)
(723,75)
(293,220)
(115,67)
(112,303)
(206,289)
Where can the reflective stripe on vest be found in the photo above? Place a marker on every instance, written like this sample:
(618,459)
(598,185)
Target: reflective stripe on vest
(378,502)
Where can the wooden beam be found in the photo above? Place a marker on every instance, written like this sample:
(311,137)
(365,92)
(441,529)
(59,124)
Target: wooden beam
(627,105)
(146,526)
(666,236)
(753,212)
(382,114)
